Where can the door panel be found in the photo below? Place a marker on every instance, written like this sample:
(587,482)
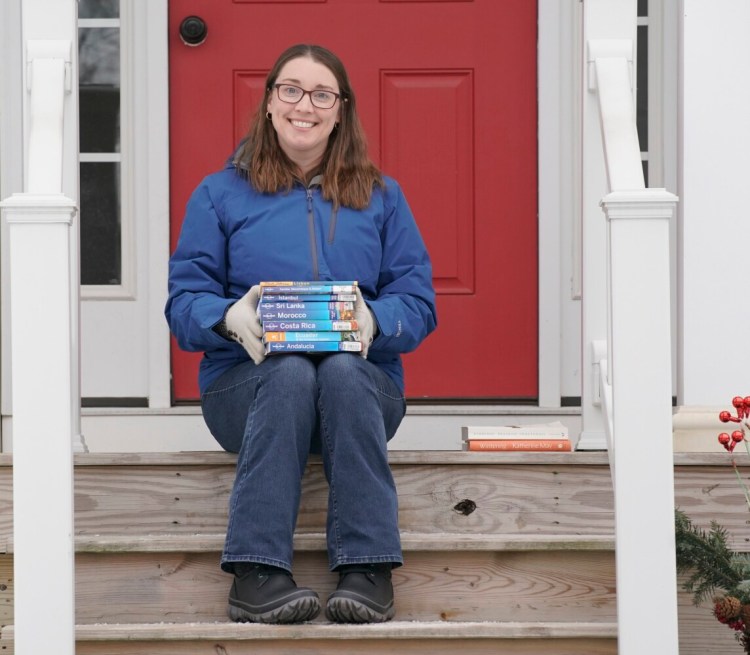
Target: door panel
(446,91)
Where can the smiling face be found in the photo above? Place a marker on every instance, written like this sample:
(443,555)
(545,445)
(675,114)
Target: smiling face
(303,129)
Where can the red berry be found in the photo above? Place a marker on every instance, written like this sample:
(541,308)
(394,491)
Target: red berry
(737,436)
(724,438)
(725,416)
(738,401)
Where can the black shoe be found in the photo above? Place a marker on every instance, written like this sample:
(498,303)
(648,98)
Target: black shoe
(268,594)
(364,595)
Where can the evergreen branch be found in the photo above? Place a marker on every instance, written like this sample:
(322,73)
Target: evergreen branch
(707,555)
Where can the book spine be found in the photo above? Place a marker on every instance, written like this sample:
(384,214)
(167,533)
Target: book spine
(520,445)
(310,336)
(316,326)
(510,433)
(308,297)
(533,436)
(306,314)
(313,346)
(347,286)
(305,306)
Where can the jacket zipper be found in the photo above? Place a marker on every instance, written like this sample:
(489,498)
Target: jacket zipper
(332,228)
(311,229)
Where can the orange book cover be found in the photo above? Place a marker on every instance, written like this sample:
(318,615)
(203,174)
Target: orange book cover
(523,445)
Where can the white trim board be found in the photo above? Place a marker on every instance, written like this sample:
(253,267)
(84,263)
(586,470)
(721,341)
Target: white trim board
(11,164)
(425,427)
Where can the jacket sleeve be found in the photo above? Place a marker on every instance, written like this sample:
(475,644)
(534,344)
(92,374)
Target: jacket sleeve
(405,303)
(197,276)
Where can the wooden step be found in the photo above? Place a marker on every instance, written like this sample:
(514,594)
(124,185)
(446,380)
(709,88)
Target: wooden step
(432,586)
(196,543)
(522,494)
(433,638)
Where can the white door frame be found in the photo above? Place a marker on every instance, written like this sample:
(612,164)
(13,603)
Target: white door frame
(11,173)
(134,312)
(151,67)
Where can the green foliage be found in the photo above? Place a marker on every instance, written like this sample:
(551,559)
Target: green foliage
(712,566)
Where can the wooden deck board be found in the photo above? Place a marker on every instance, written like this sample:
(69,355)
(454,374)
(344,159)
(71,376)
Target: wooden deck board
(439,638)
(457,498)
(431,586)
(203,458)
(196,543)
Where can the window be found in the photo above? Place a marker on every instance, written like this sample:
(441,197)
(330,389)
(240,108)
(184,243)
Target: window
(104,264)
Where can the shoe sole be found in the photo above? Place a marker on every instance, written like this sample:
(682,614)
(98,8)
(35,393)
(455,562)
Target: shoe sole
(295,611)
(348,610)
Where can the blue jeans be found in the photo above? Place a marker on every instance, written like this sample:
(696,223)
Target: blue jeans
(274,415)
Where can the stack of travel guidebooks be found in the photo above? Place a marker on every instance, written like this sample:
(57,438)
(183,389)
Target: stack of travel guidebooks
(309,317)
(545,437)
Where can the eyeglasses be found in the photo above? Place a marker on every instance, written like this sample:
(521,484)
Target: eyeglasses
(293,94)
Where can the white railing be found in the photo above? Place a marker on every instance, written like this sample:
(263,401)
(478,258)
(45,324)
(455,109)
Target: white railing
(46,411)
(631,356)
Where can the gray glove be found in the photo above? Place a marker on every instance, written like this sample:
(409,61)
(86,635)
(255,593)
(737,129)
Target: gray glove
(244,327)
(365,321)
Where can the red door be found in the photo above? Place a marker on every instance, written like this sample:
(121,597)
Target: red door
(447,96)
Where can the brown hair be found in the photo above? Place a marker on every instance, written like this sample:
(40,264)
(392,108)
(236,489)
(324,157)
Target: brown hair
(348,173)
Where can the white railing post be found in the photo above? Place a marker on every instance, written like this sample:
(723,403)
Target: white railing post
(627,333)
(609,29)
(39,229)
(642,454)
(43,286)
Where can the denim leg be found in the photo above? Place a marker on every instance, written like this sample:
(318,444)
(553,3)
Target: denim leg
(268,413)
(360,410)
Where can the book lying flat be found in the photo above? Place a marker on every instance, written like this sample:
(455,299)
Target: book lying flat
(347,286)
(306,314)
(519,445)
(311,336)
(266,305)
(318,326)
(313,346)
(554,430)
(309,297)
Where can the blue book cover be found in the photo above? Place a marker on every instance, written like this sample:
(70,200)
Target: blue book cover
(305,314)
(311,336)
(317,326)
(313,346)
(266,305)
(308,297)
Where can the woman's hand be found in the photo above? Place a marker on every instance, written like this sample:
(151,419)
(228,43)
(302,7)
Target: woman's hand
(365,322)
(244,327)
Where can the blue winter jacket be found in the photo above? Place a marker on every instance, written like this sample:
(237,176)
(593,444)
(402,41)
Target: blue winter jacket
(234,237)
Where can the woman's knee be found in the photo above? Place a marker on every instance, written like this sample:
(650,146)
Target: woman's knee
(290,371)
(344,372)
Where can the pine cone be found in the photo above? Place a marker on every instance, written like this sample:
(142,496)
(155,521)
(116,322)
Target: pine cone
(745,614)
(727,608)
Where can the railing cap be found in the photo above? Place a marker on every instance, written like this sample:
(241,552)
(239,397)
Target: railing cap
(639,204)
(38,208)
